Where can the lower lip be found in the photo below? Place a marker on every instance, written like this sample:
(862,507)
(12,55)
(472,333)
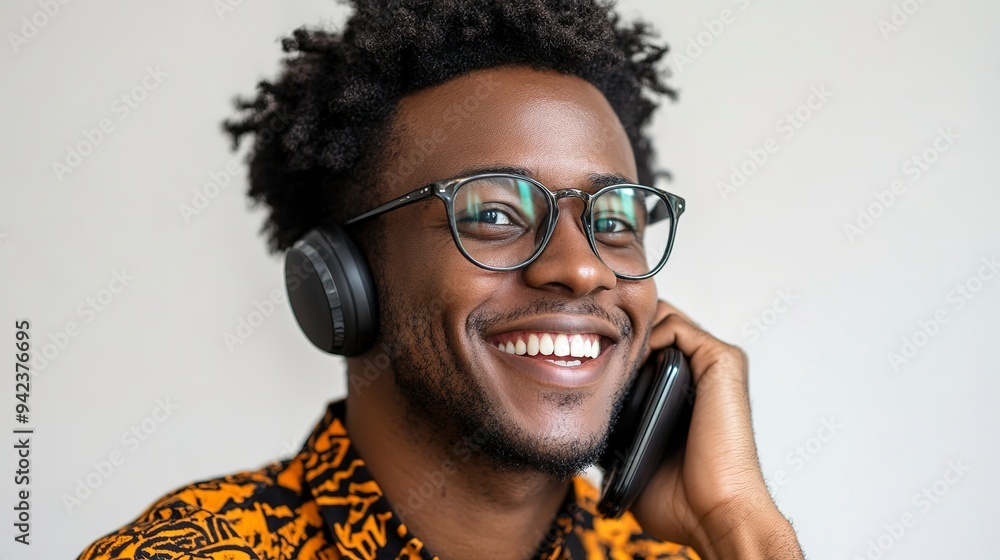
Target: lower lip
(554,375)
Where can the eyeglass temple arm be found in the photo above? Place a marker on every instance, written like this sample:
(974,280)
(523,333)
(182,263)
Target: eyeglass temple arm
(408,198)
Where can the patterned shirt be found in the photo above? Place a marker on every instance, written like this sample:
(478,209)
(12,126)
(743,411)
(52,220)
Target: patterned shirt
(323,504)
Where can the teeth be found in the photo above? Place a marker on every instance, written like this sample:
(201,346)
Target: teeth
(566,363)
(545,346)
(532,344)
(562,345)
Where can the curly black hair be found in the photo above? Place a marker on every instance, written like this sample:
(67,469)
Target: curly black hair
(321,129)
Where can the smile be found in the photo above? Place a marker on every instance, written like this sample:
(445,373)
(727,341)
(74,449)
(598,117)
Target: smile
(550,346)
(559,360)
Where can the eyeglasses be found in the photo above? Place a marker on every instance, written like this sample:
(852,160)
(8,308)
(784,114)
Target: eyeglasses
(503,222)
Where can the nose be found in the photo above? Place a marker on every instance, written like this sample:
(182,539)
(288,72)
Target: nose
(568,265)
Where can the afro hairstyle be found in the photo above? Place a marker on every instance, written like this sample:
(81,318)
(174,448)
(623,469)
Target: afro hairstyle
(320,129)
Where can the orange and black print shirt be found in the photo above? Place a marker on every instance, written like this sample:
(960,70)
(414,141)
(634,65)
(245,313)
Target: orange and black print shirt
(323,504)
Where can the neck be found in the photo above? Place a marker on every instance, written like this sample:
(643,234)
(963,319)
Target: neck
(449,497)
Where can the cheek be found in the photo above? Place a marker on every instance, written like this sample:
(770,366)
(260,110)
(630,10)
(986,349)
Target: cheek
(639,301)
(426,274)
(459,294)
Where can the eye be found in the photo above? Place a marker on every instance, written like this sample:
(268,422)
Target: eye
(491,223)
(491,216)
(611,225)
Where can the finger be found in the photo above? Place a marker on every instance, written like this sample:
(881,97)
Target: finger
(668,321)
(665,308)
(701,348)
(658,337)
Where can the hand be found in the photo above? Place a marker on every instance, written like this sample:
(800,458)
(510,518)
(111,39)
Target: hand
(713,496)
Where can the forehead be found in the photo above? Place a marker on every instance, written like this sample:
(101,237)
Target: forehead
(558,126)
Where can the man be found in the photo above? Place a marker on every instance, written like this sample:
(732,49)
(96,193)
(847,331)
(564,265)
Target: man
(506,341)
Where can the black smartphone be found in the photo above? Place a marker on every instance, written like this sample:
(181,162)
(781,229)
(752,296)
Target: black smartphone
(651,427)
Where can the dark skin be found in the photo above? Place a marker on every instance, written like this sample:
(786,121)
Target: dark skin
(444,311)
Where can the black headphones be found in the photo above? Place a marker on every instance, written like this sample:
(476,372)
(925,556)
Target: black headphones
(331,292)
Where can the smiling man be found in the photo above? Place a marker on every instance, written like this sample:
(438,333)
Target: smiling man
(489,160)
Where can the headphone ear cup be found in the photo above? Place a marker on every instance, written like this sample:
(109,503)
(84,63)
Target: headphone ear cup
(331,292)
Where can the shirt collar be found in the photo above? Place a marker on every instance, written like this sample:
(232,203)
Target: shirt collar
(360,519)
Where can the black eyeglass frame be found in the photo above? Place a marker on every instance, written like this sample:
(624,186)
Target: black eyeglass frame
(446,189)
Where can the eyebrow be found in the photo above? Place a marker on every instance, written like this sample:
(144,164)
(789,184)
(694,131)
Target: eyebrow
(596,180)
(601,180)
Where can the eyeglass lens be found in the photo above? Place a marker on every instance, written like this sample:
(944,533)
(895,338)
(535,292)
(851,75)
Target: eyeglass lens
(501,222)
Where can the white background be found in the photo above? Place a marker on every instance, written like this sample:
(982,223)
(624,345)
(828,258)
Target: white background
(825,358)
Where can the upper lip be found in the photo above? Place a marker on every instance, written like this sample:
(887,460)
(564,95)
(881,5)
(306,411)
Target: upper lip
(568,324)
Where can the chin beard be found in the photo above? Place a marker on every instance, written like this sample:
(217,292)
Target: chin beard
(465,410)
(439,394)
(508,448)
